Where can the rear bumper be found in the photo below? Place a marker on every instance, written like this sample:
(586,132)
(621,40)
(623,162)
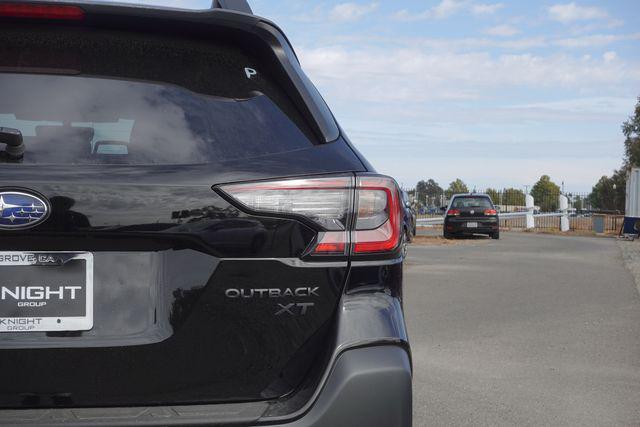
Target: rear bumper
(459,226)
(369,387)
(366,386)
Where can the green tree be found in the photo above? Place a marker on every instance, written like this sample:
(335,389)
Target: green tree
(607,198)
(609,192)
(578,203)
(434,191)
(545,194)
(428,192)
(631,131)
(494,194)
(421,192)
(456,187)
(513,197)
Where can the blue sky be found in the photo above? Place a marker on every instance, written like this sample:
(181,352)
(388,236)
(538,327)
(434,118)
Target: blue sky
(494,92)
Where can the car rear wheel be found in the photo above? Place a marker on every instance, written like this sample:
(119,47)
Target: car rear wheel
(448,235)
(495,235)
(404,244)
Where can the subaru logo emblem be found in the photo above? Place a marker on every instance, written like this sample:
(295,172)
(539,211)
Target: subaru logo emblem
(472,211)
(19,209)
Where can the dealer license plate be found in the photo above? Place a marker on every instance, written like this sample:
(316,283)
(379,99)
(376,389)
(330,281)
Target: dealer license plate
(46,291)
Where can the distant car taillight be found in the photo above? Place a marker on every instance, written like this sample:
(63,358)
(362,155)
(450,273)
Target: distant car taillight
(41,11)
(453,212)
(490,212)
(363,213)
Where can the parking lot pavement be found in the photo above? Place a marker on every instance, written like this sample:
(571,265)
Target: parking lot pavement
(527,330)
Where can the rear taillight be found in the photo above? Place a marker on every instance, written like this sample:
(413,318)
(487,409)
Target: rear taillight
(325,201)
(363,213)
(453,212)
(377,225)
(490,212)
(41,11)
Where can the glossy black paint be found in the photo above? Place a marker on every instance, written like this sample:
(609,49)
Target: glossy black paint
(166,247)
(369,314)
(409,217)
(218,349)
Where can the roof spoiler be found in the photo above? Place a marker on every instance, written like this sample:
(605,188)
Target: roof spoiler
(235,5)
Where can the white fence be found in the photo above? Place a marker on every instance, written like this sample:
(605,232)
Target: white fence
(563,213)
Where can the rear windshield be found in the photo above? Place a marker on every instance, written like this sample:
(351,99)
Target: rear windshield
(120,98)
(471,202)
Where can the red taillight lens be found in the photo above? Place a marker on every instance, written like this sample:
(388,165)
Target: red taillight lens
(329,202)
(332,242)
(490,212)
(378,218)
(453,212)
(41,11)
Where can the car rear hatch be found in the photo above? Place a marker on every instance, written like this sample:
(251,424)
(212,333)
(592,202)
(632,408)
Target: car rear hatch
(195,286)
(472,207)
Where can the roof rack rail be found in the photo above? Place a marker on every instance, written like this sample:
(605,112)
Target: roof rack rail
(235,5)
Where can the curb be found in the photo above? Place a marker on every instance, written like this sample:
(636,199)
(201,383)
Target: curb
(631,257)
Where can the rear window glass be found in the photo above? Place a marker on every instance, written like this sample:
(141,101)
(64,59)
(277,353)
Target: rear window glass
(89,120)
(471,202)
(122,98)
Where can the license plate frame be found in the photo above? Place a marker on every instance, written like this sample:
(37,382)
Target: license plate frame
(472,225)
(70,291)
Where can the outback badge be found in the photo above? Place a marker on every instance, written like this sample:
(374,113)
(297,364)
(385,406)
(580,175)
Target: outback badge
(20,209)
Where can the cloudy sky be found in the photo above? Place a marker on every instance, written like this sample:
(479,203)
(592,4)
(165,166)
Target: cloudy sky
(496,93)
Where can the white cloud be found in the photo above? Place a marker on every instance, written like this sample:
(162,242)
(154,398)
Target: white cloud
(447,8)
(414,76)
(486,9)
(405,15)
(595,40)
(609,56)
(465,44)
(503,30)
(571,12)
(602,105)
(349,12)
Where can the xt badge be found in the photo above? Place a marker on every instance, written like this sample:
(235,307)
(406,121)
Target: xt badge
(294,309)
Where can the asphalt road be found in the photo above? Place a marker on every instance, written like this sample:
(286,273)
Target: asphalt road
(527,330)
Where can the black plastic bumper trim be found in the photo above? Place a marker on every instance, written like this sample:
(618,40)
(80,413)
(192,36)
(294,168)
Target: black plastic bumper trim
(367,386)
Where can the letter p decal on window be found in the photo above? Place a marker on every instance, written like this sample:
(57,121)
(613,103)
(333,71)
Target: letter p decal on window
(250,72)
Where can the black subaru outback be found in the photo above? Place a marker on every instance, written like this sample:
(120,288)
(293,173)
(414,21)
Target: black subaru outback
(187,237)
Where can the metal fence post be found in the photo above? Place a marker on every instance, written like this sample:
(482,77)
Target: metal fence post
(529,202)
(563,203)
